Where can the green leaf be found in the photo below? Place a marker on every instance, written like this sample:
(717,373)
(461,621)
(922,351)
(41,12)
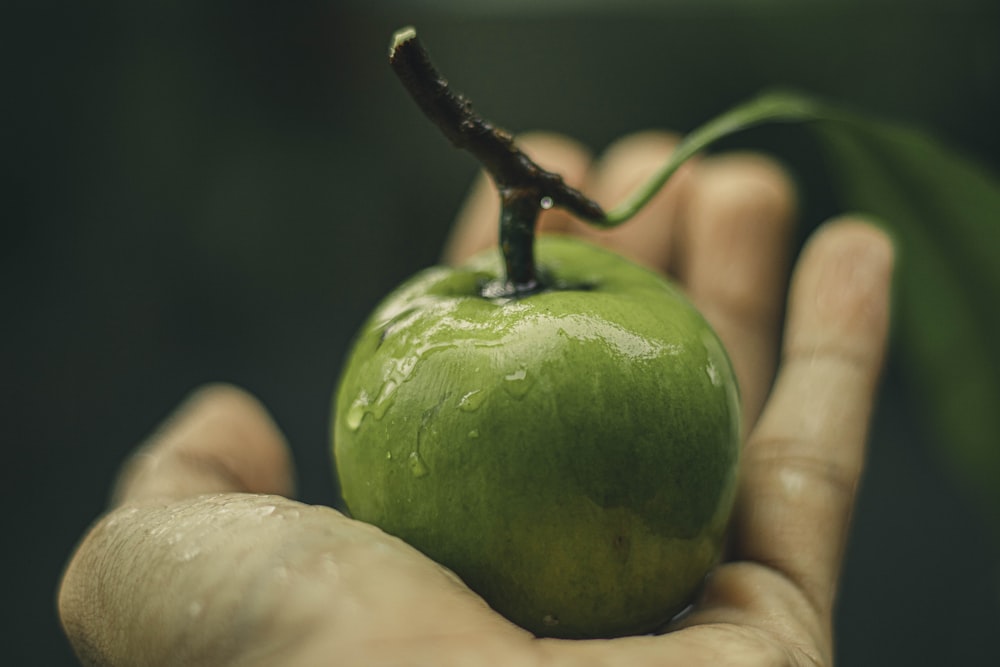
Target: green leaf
(774,107)
(943,212)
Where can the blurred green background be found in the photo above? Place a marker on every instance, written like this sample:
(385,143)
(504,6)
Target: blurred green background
(200,191)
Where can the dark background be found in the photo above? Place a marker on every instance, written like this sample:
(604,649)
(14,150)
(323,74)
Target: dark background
(221,191)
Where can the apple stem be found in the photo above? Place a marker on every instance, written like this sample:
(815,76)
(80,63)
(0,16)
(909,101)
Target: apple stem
(518,215)
(525,188)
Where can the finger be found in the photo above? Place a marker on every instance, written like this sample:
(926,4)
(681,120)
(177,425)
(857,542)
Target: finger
(625,165)
(732,257)
(476,227)
(220,439)
(802,462)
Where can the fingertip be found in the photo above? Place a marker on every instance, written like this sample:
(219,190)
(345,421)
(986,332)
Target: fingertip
(220,438)
(633,145)
(742,179)
(764,169)
(857,233)
(844,281)
(216,395)
(222,403)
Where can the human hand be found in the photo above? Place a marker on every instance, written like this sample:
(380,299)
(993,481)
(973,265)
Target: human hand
(203,559)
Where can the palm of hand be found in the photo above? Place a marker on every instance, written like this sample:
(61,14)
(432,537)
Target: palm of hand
(206,561)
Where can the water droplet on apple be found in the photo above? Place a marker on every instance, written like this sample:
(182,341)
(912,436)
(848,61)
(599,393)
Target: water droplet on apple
(388,456)
(474,433)
(713,375)
(517,383)
(519,374)
(717,360)
(385,399)
(417,465)
(471,401)
(356,412)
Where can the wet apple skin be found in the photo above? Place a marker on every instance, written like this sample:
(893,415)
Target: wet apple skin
(571,455)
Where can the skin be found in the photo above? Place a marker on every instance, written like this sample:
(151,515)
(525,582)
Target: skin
(204,560)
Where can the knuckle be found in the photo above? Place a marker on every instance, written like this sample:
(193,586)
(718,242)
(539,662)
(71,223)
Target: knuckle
(797,470)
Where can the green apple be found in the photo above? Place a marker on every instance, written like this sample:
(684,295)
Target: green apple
(570,454)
